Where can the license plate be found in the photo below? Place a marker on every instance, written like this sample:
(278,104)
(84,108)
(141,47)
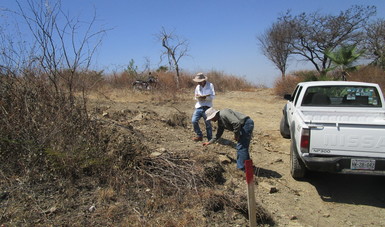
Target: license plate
(365,164)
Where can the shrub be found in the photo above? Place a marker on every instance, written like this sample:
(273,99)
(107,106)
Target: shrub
(41,128)
(286,85)
(120,80)
(307,75)
(166,85)
(370,74)
(223,82)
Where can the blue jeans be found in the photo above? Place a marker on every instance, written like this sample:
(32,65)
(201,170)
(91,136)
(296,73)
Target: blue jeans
(197,115)
(244,143)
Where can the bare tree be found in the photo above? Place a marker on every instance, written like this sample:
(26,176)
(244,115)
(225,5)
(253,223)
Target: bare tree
(14,53)
(275,44)
(62,49)
(175,49)
(38,107)
(314,33)
(375,42)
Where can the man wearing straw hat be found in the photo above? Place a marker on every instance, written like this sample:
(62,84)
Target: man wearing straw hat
(204,95)
(240,124)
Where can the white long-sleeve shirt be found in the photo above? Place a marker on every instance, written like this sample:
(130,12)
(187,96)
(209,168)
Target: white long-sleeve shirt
(208,89)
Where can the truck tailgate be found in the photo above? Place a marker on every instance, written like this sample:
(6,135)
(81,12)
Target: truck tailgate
(348,140)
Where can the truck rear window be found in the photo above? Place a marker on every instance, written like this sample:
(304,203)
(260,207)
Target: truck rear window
(348,96)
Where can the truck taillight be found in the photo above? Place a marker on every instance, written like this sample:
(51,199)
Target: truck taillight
(305,140)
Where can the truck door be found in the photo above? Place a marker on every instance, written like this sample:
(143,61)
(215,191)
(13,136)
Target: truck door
(292,103)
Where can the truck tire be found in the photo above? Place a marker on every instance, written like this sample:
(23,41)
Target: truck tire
(284,128)
(297,168)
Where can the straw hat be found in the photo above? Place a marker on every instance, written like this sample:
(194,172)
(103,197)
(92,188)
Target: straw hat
(210,113)
(200,77)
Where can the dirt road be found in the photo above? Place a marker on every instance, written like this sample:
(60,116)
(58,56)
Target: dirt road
(318,200)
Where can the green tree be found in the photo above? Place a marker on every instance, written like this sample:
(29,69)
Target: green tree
(162,68)
(344,58)
(132,69)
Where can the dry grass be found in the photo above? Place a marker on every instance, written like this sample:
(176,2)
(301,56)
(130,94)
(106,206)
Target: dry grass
(117,86)
(369,74)
(167,82)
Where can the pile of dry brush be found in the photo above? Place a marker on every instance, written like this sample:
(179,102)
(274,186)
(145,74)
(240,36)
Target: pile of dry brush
(54,153)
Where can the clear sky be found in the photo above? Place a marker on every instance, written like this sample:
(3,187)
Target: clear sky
(221,33)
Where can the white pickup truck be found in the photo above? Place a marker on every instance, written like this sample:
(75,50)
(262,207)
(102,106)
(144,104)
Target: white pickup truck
(335,126)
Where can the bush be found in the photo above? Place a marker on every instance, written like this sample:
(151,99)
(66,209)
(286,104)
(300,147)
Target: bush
(286,85)
(370,74)
(165,89)
(223,82)
(120,80)
(42,127)
(307,75)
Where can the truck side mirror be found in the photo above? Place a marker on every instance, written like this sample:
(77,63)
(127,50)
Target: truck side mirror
(287,97)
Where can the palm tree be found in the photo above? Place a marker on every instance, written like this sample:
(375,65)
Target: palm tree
(343,58)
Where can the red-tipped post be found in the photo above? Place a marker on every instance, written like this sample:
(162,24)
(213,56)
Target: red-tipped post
(250,192)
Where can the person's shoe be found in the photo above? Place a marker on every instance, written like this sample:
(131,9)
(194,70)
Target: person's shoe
(198,138)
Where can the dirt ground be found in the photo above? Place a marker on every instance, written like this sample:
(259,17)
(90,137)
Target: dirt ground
(319,200)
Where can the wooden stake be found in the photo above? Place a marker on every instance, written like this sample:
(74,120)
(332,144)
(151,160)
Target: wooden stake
(250,192)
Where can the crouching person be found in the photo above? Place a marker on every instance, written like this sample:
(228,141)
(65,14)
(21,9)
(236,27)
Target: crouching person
(240,124)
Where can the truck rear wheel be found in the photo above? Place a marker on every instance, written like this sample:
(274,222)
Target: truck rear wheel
(297,168)
(284,128)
